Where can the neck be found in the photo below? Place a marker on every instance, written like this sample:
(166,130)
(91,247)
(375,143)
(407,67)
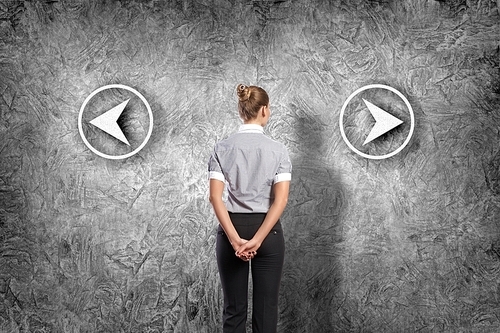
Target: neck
(256,121)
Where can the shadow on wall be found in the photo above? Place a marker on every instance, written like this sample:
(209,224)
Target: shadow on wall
(313,232)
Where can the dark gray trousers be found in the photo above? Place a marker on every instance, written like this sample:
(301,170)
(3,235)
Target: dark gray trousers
(266,266)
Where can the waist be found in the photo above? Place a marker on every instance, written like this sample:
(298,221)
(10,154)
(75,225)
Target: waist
(249,201)
(248,219)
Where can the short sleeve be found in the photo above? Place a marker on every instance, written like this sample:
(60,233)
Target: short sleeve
(284,172)
(214,168)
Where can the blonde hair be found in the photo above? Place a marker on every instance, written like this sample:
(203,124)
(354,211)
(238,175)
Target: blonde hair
(251,99)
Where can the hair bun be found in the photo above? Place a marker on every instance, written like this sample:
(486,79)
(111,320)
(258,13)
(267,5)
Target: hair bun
(243,92)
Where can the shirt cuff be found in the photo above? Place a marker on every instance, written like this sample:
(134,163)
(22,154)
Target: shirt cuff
(216,175)
(282,177)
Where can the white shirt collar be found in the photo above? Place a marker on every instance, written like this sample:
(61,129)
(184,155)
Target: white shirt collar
(251,128)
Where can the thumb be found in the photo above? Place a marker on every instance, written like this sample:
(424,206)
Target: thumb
(242,248)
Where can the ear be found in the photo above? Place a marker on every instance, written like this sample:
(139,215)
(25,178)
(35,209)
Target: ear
(263,111)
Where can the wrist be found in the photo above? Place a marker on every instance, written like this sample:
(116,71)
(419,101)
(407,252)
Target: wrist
(257,240)
(235,241)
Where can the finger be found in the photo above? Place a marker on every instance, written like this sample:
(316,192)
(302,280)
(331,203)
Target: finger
(250,253)
(241,249)
(249,256)
(247,253)
(242,256)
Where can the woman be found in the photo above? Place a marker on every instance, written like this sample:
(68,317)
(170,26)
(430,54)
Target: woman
(254,172)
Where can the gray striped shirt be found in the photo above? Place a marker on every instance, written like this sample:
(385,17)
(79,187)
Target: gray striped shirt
(249,163)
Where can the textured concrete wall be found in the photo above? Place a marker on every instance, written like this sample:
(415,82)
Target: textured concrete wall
(406,244)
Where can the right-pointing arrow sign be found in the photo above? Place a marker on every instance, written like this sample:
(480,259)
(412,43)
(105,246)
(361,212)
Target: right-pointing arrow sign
(384,122)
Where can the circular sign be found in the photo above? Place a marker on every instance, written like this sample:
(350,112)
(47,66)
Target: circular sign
(385,122)
(108,121)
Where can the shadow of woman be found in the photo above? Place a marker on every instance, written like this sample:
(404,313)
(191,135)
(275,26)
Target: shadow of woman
(310,295)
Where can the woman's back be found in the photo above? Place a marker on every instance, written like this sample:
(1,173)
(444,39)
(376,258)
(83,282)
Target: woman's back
(251,163)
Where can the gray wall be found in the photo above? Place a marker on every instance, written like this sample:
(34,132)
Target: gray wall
(405,244)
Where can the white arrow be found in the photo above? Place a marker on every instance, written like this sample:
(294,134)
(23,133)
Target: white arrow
(384,122)
(108,122)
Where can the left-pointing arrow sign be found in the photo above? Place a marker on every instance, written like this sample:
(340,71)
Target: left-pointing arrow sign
(108,122)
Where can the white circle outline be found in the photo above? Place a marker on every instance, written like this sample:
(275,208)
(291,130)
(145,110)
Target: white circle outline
(118,86)
(380,86)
